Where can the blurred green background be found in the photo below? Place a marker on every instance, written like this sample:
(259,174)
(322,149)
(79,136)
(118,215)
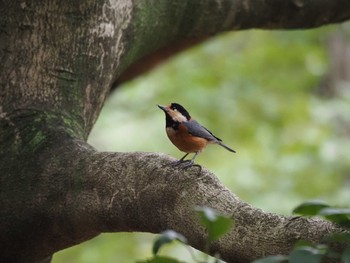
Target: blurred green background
(268,95)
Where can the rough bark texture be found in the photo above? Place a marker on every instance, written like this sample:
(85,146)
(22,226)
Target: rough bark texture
(58,62)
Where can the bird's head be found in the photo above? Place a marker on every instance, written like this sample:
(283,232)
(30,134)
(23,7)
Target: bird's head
(175,112)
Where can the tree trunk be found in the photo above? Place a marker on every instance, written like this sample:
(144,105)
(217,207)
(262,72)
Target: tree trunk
(337,80)
(59,60)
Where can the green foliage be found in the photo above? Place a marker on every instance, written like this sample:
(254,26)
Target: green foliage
(302,253)
(305,252)
(215,223)
(345,258)
(166,237)
(339,216)
(272,259)
(161,259)
(339,237)
(310,208)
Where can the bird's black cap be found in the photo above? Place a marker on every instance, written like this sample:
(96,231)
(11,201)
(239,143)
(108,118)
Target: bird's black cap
(181,109)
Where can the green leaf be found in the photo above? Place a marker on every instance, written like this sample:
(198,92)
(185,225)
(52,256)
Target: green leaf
(215,223)
(161,259)
(272,259)
(307,254)
(221,226)
(166,237)
(331,253)
(346,256)
(337,215)
(306,245)
(310,208)
(338,237)
(207,213)
(335,211)
(302,243)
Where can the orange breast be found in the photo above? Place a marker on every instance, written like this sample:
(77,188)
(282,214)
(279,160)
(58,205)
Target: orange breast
(186,142)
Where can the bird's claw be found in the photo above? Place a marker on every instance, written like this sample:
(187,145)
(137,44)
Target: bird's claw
(179,162)
(185,164)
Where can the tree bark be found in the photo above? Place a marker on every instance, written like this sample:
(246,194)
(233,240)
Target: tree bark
(338,78)
(59,60)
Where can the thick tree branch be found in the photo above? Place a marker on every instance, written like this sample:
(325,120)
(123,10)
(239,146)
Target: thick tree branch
(90,192)
(196,21)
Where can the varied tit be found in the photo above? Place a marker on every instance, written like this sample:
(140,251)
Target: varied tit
(186,133)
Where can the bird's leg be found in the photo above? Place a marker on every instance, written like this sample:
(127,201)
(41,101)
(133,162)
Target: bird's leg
(190,162)
(183,157)
(181,160)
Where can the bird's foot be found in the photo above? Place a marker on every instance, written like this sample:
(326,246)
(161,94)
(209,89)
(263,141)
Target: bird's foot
(188,164)
(179,162)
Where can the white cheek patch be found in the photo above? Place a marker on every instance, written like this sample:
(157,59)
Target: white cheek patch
(177,116)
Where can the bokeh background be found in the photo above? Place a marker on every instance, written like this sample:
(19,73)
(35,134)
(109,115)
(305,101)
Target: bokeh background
(281,99)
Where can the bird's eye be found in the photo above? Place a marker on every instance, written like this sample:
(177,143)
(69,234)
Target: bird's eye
(175,109)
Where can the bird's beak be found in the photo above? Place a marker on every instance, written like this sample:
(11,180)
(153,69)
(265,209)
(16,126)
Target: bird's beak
(162,107)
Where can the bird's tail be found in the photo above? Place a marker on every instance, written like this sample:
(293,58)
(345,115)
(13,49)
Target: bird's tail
(225,146)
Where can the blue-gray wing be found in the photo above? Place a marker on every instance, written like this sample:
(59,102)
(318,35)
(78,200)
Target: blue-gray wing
(198,130)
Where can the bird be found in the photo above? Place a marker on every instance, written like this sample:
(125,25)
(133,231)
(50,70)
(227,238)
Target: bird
(187,134)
